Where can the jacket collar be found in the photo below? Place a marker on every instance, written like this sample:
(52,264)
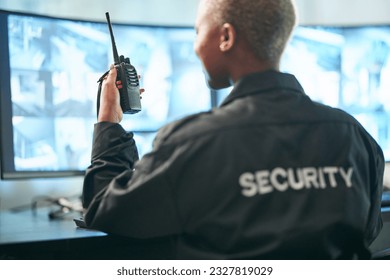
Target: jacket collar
(266,81)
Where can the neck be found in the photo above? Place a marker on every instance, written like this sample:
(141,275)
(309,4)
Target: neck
(244,62)
(251,66)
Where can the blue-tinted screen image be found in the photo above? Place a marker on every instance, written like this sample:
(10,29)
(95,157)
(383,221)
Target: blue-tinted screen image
(344,67)
(54,65)
(347,68)
(54,68)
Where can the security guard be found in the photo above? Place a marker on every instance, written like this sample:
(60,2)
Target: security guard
(268,174)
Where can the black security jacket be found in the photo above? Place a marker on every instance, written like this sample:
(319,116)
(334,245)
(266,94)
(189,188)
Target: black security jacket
(269,174)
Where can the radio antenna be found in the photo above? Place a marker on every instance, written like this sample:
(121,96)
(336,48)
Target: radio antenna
(114,50)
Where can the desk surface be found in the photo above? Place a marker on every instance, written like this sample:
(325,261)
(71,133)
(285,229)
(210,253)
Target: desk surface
(33,235)
(35,226)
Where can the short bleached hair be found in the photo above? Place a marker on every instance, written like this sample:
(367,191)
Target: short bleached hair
(265,24)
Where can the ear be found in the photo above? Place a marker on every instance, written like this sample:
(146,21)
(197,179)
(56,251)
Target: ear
(227,37)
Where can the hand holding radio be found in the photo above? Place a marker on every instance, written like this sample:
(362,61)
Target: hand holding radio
(110,108)
(127,78)
(109,99)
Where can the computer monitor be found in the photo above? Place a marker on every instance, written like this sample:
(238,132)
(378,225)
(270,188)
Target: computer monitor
(48,81)
(50,67)
(347,68)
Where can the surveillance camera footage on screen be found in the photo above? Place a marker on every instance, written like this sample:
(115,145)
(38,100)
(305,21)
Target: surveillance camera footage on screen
(347,68)
(52,65)
(54,68)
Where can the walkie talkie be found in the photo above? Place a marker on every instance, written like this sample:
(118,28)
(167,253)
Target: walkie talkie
(130,99)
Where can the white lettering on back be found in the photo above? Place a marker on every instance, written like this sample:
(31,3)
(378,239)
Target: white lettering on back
(262,178)
(347,176)
(331,171)
(310,176)
(247,182)
(280,179)
(278,184)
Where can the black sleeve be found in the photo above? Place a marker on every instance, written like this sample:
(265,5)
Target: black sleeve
(113,152)
(124,198)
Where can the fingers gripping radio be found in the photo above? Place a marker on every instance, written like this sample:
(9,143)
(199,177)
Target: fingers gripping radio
(129,93)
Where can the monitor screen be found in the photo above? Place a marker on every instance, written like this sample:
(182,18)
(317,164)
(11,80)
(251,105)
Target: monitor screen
(50,67)
(347,68)
(48,81)
(344,67)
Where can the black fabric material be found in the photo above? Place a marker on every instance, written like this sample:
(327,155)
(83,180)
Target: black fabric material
(269,174)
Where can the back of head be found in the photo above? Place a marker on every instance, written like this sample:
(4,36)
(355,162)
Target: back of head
(266,25)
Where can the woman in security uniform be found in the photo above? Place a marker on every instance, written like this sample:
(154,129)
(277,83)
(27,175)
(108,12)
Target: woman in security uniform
(268,174)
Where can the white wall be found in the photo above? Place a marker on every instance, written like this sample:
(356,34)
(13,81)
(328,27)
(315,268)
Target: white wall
(344,12)
(182,12)
(169,12)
